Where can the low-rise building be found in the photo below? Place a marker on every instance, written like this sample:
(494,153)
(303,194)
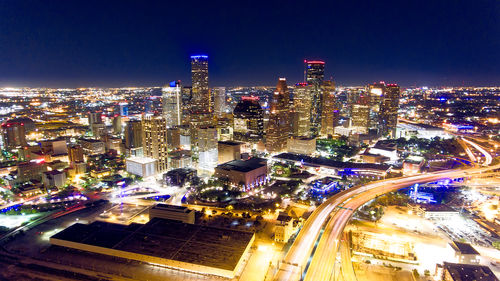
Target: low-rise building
(204,250)
(54,178)
(141,166)
(466,272)
(413,164)
(30,190)
(465,253)
(301,145)
(229,151)
(31,170)
(283,228)
(180,159)
(434,211)
(178,177)
(385,148)
(172,212)
(92,147)
(247,173)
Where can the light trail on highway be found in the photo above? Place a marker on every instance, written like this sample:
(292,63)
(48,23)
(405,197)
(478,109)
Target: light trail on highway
(322,263)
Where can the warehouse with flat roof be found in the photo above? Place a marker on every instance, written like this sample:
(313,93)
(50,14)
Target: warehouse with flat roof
(194,248)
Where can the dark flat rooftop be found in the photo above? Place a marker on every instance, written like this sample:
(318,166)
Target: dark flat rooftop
(464,248)
(197,244)
(173,208)
(229,142)
(244,165)
(321,161)
(469,272)
(437,208)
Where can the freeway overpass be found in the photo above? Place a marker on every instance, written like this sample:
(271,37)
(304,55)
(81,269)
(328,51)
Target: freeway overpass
(322,264)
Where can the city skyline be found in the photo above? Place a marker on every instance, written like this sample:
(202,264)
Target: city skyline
(111,45)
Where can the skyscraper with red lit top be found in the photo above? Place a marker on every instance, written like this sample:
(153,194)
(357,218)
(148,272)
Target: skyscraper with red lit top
(315,71)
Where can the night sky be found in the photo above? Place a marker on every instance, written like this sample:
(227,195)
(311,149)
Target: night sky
(148,43)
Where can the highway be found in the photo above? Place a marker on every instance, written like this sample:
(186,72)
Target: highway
(322,264)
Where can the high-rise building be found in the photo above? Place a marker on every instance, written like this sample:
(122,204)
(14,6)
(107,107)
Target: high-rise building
(360,108)
(75,154)
(200,101)
(314,77)
(207,149)
(248,120)
(315,71)
(172,104)
(329,110)
(154,141)
(220,105)
(302,101)
(376,92)
(186,93)
(13,134)
(389,109)
(123,109)
(360,117)
(117,125)
(95,118)
(96,124)
(133,134)
(278,127)
(201,106)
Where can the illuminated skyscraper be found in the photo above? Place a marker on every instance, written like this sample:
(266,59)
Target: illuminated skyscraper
(315,71)
(248,120)
(200,101)
(389,109)
(329,110)
(154,141)
(360,110)
(208,151)
(172,104)
(133,134)
(302,101)
(384,104)
(14,134)
(278,127)
(220,105)
(75,154)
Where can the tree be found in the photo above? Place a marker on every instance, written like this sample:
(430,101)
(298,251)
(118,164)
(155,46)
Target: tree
(415,273)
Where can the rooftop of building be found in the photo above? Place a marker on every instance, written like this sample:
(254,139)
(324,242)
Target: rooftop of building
(414,159)
(181,171)
(463,248)
(172,208)
(304,138)
(180,153)
(244,165)
(437,208)
(321,161)
(419,126)
(229,142)
(53,172)
(284,217)
(469,272)
(90,140)
(168,239)
(141,160)
(386,145)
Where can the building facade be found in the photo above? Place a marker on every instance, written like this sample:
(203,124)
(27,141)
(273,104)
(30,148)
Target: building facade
(248,118)
(154,141)
(279,125)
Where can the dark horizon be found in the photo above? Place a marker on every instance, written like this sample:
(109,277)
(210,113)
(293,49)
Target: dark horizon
(125,43)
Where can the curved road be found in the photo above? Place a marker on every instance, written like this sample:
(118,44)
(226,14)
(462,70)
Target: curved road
(322,264)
